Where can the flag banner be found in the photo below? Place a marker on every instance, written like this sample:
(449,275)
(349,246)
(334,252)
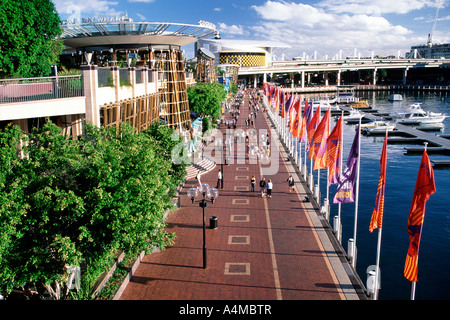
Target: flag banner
(296,120)
(345,192)
(307,115)
(320,142)
(377,215)
(334,153)
(425,187)
(311,130)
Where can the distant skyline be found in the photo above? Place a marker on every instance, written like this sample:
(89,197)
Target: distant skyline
(323,27)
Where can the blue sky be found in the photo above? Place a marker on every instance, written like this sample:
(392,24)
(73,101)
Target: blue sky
(325,26)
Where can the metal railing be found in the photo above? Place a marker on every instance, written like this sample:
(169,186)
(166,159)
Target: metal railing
(43,88)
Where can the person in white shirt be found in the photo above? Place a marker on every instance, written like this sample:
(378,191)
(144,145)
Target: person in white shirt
(269,187)
(219,180)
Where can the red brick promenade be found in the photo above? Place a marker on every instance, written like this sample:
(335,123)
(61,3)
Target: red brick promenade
(263,249)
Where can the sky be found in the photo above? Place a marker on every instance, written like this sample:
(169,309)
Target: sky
(322,28)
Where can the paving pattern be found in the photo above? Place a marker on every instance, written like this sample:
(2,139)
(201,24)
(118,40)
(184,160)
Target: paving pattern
(263,249)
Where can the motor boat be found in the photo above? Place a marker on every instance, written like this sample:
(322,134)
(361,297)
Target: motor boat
(354,115)
(363,104)
(324,106)
(377,127)
(416,115)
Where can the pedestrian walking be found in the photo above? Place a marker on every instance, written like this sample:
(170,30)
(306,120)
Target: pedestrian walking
(262,186)
(291,184)
(253,183)
(269,186)
(219,180)
(197,177)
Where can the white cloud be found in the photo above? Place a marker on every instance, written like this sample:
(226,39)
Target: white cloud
(141,16)
(312,28)
(81,8)
(375,7)
(231,30)
(217,9)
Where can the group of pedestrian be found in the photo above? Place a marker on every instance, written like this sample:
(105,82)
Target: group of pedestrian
(264,186)
(268,186)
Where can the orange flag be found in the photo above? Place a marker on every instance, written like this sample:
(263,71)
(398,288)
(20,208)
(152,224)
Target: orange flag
(311,130)
(424,188)
(334,153)
(320,142)
(377,214)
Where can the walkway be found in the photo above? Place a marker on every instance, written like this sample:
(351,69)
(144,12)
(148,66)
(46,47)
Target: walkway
(263,249)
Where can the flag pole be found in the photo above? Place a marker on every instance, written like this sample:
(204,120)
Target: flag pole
(340,177)
(413,283)
(375,297)
(357,195)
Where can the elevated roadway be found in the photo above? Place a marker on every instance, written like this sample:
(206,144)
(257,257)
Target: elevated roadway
(339,66)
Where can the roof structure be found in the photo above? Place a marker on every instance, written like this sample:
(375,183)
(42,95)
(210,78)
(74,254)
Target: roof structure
(100,33)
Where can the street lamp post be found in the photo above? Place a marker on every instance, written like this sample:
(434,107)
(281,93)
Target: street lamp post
(206,192)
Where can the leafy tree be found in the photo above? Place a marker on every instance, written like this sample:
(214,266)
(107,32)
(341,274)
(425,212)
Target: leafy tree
(28,30)
(76,202)
(205,98)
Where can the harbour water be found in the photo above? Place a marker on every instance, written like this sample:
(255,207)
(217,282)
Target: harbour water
(434,257)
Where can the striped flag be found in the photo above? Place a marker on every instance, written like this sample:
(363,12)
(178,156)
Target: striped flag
(377,214)
(311,130)
(334,153)
(345,192)
(307,115)
(320,142)
(424,188)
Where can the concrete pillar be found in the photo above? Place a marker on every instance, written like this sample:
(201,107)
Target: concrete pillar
(303,79)
(116,80)
(90,86)
(326,79)
(338,78)
(405,73)
(374,77)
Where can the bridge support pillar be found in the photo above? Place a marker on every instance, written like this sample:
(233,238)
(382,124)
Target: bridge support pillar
(338,78)
(374,77)
(303,79)
(405,73)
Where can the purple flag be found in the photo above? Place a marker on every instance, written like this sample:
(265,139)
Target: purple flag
(346,188)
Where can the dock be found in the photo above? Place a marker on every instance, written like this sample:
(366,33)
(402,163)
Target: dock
(403,134)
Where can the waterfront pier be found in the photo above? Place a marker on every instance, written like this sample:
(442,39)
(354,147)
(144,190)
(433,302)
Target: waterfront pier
(278,248)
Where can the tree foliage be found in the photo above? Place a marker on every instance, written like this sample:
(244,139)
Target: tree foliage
(76,202)
(205,98)
(28,30)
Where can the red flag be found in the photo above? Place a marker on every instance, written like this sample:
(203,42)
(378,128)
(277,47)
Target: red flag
(377,214)
(307,115)
(424,188)
(294,118)
(320,142)
(311,129)
(334,153)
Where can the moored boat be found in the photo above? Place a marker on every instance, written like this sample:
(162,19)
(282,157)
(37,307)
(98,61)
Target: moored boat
(377,127)
(416,115)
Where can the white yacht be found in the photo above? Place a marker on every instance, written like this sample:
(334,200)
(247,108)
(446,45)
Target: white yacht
(416,115)
(354,115)
(377,127)
(324,106)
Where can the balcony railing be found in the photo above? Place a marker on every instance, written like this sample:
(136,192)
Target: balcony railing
(44,88)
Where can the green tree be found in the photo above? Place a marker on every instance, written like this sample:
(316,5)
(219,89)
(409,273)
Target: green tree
(77,202)
(28,30)
(205,99)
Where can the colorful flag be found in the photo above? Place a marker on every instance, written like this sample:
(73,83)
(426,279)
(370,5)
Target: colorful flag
(320,142)
(312,129)
(334,153)
(424,188)
(307,115)
(294,113)
(345,192)
(377,214)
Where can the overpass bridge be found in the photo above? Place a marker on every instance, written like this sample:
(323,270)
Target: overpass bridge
(338,66)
